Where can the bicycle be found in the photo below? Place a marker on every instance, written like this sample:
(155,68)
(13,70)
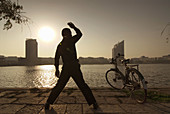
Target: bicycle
(133,80)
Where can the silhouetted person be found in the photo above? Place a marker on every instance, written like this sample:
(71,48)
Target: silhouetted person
(71,67)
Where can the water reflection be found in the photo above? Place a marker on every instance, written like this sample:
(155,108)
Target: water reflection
(46,67)
(44,76)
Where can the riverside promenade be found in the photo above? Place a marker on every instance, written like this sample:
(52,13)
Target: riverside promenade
(71,101)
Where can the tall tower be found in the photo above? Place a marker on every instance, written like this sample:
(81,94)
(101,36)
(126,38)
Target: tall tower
(31,51)
(118,49)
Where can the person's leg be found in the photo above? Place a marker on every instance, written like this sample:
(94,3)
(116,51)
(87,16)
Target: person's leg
(78,78)
(64,77)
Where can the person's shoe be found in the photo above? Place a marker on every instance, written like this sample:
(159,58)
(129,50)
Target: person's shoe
(47,106)
(95,106)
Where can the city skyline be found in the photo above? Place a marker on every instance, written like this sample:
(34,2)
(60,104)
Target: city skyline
(103,24)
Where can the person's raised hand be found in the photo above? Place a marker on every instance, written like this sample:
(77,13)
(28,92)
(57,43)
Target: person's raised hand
(71,25)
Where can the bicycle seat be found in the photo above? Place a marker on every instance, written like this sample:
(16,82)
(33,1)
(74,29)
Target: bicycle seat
(126,61)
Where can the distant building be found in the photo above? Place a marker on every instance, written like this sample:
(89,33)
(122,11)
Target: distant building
(166,57)
(43,61)
(31,51)
(2,58)
(92,60)
(11,59)
(118,49)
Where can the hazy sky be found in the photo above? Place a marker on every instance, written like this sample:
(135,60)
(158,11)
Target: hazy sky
(102,22)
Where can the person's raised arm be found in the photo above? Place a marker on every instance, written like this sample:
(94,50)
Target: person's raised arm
(78,32)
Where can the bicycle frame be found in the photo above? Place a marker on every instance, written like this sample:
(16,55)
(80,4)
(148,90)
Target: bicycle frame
(127,67)
(131,80)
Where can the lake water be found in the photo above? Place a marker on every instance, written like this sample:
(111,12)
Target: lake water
(158,75)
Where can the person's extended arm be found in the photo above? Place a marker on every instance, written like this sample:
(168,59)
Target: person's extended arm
(56,64)
(78,32)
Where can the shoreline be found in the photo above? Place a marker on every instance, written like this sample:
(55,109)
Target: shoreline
(83,64)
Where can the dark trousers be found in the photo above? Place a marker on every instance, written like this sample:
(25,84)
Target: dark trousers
(75,72)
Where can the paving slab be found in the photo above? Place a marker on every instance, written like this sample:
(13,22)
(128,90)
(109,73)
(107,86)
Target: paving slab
(166,105)
(7,100)
(72,101)
(30,109)
(29,100)
(101,100)
(138,108)
(126,100)
(158,107)
(55,109)
(76,94)
(111,108)
(109,94)
(43,100)
(66,99)
(74,109)
(112,100)
(12,95)
(27,95)
(10,108)
(2,93)
(64,94)
(45,94)
(103,108)
(80,99)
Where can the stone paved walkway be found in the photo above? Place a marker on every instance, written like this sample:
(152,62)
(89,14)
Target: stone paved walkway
(71,101)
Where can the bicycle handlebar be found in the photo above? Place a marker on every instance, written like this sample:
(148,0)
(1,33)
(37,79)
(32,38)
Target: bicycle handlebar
(125,61)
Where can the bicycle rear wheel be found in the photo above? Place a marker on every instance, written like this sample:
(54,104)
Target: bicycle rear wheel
(139,87)
(114,79)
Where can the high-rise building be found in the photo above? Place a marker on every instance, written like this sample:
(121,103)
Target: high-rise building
(31,51)
(118,49)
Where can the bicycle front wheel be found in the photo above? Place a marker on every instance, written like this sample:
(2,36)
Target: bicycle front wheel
(139,88)
(114,79)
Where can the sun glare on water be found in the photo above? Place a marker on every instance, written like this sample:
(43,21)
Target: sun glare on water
(46,34)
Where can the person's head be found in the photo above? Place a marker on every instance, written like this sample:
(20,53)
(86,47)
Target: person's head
(66,32)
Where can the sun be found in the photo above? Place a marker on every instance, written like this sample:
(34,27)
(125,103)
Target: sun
(46,34)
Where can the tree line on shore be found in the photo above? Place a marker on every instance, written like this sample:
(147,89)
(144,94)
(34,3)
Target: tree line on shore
(82,60)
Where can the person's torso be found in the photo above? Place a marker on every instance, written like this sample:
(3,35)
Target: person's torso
(68,52)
